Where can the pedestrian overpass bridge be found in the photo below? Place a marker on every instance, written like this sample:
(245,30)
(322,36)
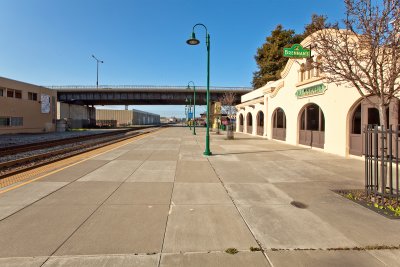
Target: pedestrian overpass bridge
(140,94)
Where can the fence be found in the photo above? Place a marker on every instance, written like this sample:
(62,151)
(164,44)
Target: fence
(381,150)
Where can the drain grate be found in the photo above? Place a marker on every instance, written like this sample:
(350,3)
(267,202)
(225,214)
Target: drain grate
(298,204)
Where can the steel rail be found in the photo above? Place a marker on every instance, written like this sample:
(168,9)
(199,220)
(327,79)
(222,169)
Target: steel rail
(13,150)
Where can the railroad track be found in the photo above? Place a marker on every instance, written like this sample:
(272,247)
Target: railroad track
(12,150)
(61,149)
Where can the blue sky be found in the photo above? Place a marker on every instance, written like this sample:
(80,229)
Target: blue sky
(142,42)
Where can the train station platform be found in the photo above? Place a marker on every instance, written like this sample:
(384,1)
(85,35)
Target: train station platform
(157,201)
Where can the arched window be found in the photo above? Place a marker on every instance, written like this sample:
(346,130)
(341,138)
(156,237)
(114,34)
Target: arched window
(312,118)
(249,119)
(241,119)
(279,119)
(356,121)
(260,118)
(260,123)
(279,124)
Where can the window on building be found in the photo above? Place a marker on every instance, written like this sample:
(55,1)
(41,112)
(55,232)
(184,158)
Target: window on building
(18,94)
(280,119)
(2,91)
(312,118)
(32,96)
(17,121)
(310,69)
(357,121)
(11,121)
(10,93)
(4,121)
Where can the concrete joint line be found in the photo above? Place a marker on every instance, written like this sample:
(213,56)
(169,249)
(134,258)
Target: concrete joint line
(247,225)
(171,205)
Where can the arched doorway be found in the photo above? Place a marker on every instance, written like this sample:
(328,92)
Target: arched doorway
(249,124)
(279,124)
(355,137)
(312,126)
(241,123)
(260,123)
(364,114)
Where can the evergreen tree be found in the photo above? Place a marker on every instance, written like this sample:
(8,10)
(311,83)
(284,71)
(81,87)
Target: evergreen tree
(318,22)
(269,57)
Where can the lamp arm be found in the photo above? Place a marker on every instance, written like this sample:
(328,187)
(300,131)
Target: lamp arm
(201,24)
(207,34)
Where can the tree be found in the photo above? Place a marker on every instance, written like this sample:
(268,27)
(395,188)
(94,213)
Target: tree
(228,101)
(318,22)
(365,55)
(269,57)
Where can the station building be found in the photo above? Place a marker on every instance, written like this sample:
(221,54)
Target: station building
(302,108)
(26,107)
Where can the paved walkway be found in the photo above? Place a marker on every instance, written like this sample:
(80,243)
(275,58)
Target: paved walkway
(158,202)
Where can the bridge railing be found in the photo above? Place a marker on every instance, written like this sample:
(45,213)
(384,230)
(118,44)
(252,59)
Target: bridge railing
(149,87)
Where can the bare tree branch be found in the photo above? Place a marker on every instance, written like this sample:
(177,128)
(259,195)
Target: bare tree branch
(366,54)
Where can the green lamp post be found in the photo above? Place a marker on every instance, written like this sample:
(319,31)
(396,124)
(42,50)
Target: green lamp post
(194,106)
(194,41)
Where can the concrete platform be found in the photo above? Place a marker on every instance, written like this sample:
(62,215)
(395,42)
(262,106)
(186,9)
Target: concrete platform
(214,259)
(324,258)
(127,260)
(158,201)
(119,229)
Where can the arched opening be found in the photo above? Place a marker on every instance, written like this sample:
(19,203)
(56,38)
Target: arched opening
(241,123)
(312,126)
(279,124)
(363,114)
(260,123)
(249,124)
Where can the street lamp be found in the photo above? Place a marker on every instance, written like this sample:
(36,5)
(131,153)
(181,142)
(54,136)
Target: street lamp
(194,41)
(98,61)
(194,106)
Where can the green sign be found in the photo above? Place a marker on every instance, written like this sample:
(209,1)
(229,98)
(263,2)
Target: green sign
(310,91)
(296,51)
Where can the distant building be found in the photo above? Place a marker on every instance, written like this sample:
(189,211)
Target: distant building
(145,118)
(77,116)
(26,107)
(114,118)
(121,118)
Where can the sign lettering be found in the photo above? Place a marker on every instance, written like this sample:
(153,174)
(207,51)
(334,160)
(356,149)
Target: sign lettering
(310,91)
(296,51)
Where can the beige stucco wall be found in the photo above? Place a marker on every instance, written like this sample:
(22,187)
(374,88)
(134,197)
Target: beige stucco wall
(336,104)
(33,119)
(253,111)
